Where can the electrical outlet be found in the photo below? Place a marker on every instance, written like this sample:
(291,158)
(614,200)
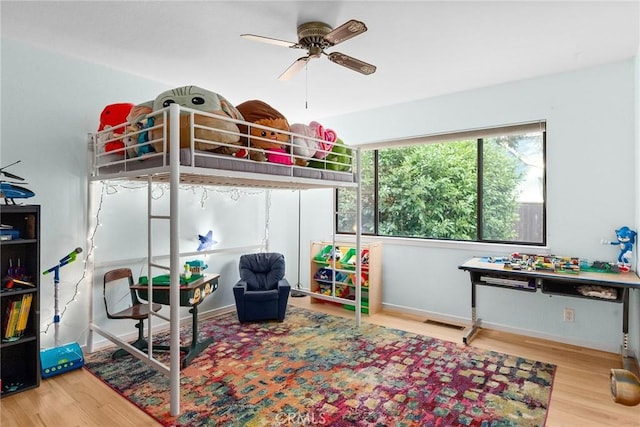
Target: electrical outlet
(569,315)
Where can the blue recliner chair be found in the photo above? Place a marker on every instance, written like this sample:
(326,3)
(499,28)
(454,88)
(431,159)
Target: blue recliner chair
(262,291)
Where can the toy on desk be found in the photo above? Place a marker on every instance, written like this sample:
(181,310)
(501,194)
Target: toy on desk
(187,272)
(604,267)
(625,239)
(528,262)
(196,266)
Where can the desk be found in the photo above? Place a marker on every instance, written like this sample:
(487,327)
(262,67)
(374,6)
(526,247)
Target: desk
(191,295)
(566,284)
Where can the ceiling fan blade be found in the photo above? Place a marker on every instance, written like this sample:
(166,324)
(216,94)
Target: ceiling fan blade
(345,31)
(269,40)
(294,68)
(352,63)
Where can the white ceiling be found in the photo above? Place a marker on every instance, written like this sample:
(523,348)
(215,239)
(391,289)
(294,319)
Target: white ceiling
(421,48)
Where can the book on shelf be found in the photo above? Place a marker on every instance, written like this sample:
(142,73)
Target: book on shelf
(11,315)
(17,317)
(23,318)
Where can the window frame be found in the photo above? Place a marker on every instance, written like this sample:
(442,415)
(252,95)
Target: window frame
(479,135)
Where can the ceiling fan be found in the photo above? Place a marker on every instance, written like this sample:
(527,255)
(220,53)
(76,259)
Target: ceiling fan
(315,37)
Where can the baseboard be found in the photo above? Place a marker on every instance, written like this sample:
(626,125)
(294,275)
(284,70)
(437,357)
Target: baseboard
(216,311)
(431,315)
(503,328)
(163,327)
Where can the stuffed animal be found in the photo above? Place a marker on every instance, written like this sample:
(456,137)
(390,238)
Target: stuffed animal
(137,137)
(268,145)
(327,135)
(339,159)
(113,115)
(304,143)
(198,99)
(312,141)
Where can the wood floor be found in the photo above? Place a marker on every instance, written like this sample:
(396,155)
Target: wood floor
(581,392)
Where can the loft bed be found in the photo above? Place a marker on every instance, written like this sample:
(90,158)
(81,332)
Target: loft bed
(151,155)
(148,151)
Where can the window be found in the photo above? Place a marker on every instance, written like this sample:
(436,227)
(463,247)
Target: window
(486,186)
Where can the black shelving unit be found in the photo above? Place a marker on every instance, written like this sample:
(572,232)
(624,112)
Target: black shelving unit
(20,259)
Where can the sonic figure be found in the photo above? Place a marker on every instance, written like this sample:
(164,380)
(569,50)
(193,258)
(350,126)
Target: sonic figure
(626,238)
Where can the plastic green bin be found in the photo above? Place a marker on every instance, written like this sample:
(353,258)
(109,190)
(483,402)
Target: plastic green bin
(363,309)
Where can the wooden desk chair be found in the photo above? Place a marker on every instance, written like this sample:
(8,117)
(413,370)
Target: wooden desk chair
(137,311)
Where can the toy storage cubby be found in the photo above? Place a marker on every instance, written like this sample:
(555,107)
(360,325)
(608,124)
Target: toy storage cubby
(324,268)
(20,294)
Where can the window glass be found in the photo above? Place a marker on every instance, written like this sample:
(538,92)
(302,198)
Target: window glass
(428,191)
(488,189)
(346,223)
(513,188)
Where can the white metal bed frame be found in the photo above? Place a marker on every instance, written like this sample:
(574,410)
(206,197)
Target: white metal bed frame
(173,173)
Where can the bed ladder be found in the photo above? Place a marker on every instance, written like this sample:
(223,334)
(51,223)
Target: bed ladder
(174,254)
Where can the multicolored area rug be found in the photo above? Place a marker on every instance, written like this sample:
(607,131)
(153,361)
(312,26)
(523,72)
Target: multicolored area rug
(318,369)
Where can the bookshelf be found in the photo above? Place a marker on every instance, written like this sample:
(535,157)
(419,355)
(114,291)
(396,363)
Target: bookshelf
(323,269)
(19,298)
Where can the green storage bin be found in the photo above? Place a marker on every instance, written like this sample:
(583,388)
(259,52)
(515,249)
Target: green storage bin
(363,309)
(323,257)
(349,261)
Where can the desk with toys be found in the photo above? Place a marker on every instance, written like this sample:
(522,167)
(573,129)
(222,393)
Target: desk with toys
(193,291)
(556,276)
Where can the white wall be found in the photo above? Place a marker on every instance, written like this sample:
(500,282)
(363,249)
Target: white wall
(634,297)
(50,102)
(591,191)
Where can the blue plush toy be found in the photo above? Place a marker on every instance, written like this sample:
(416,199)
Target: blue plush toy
(143,137)
(625,239)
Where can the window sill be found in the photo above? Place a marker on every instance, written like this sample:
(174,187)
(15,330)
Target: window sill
(447,244)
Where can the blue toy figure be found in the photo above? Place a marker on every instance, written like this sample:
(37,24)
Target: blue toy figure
(626,238)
